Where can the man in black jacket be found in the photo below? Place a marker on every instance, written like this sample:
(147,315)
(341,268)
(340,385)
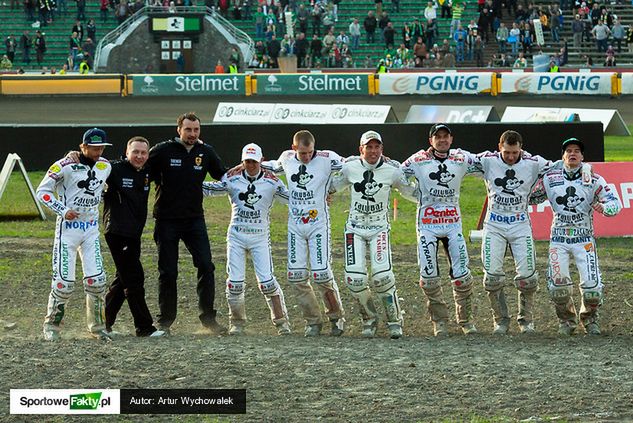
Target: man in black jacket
(179,167)
(124,216)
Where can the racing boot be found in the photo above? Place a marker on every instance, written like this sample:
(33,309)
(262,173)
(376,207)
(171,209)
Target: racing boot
(102,335)
(566,328)
(500,313)
(395,330)
(282,325)
(369,328)
(313,330)
(437,307)
(332,301)
(95,313)
(337,327)
(440,328)
(525,317)
(591,301)
(51,335)
(501,326)
(308,303)
(469,328)
(592,328)
(237,314)
(463,305)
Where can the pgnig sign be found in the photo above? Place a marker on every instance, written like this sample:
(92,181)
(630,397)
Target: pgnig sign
(552,83)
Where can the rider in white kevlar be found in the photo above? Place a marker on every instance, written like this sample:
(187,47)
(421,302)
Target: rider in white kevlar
(573,199)
(510,175)
(371,178)
(251,193)
(308,173)
(73,191)
(439,172)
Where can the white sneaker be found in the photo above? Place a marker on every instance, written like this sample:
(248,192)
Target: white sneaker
(52,335)
(158,334)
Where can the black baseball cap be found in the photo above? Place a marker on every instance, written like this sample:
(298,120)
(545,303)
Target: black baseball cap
(571,141)
(437,127)
(95,137)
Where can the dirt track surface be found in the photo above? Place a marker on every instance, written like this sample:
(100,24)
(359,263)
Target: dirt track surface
(541,377)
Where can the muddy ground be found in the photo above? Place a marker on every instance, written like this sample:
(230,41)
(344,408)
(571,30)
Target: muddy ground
(541,377)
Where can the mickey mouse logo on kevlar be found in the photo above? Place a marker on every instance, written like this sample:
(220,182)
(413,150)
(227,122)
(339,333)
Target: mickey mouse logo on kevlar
(368,186)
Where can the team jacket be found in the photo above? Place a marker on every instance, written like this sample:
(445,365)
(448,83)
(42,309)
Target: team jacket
(251,199)
(78,187)
(572,202)
(371,186)
(439,182)
(308,184)
(178,175)
(125,200)
(509,186)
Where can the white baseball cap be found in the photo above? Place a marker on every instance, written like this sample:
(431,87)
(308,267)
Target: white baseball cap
(368,136)
(252,151)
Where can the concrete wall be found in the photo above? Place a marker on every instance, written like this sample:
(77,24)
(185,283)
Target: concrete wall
(39,146)
(141,50)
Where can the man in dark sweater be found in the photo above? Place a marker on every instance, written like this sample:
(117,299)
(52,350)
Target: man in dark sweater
(124,216)
(179,167)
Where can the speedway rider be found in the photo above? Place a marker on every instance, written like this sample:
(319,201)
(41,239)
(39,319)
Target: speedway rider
(439,171)
(308,174)
(251,193)
(73,191)
(371,178)
(573,199)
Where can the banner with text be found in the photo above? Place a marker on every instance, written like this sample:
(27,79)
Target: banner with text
(127,401)
(300,113)
(556,83)
(435,83)
(188,84)
(451,114)
(619,176)
(612,122)
(627,83)
(313,83)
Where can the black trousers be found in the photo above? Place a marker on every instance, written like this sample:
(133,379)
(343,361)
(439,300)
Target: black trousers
(193,232)
(128,283)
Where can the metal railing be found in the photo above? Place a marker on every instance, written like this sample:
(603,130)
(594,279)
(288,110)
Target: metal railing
(243,40)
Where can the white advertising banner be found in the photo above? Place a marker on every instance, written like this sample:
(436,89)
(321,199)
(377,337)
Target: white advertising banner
(612,122)
(435,83)
(358,113)
(243,112)
(556,83)
(300,113)
(451,114)
(627,83)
